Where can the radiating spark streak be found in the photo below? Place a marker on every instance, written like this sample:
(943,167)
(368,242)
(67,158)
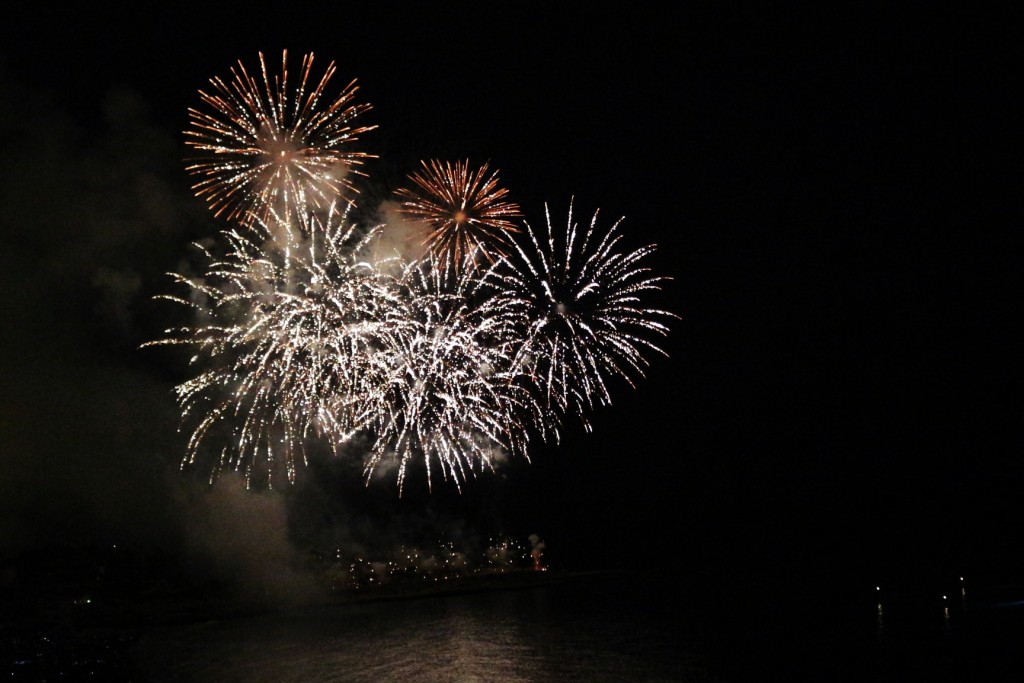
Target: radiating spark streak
(464,211)
(265,146)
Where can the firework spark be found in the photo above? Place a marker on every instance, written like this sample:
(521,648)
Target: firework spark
(464,211)
(449,399)
(268,147)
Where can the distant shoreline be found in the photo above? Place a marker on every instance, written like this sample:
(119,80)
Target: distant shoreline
(513,579)
(136,613)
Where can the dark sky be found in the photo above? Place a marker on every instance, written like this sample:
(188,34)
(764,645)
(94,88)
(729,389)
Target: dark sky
(835,195)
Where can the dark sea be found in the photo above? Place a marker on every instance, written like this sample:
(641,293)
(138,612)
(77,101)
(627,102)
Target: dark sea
(634,627)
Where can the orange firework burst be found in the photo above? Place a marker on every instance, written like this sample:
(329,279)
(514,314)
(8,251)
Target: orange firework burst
(268,148)
(465,212)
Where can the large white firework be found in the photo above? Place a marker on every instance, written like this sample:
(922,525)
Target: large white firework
(289,331)
(303,337)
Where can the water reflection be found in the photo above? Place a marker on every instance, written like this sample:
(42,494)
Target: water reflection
(590,632)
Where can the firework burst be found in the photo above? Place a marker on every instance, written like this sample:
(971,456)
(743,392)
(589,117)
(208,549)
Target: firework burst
(265,146)
(310,329)
(580,298)
(464,211)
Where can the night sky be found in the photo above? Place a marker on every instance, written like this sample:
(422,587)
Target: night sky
(835,194)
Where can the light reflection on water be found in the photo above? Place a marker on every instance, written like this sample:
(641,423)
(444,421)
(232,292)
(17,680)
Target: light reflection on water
(606,630)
